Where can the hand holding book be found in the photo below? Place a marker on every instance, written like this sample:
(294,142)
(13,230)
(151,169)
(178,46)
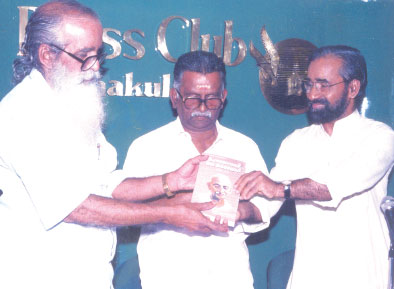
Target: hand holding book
(215,182)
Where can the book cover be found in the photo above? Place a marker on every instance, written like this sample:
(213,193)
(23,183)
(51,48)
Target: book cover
(215,179)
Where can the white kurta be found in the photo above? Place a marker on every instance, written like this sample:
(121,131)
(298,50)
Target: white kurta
(172,258)
(47,170)
(342,243)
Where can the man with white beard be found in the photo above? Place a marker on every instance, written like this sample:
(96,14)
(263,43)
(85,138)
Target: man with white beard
(60,202)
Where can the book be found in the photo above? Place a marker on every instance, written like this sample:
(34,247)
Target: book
(215,183)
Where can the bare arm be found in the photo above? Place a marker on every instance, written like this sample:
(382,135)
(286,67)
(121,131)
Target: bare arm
(307,189)
(256,183)
(107,212)
(247,212)
(137,189)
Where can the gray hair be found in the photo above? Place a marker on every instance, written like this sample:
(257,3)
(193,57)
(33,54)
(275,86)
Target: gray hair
(43,27)
(199,61)
(353,66)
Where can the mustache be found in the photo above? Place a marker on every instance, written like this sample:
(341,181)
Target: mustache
(199,113)
(319,101)
(91,77)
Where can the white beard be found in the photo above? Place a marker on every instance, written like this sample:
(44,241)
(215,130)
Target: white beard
(79,101)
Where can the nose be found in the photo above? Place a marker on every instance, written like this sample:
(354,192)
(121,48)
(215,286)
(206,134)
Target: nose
(203,106)
(96,66)
(313,93)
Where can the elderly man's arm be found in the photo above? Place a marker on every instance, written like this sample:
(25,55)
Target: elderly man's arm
(121,210)
(247,212)
(138,189)
(107,212)
(257,183)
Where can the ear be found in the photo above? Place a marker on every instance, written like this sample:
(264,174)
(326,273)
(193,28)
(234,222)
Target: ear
(224,95)
(174,97)
(353,88)
(46,57)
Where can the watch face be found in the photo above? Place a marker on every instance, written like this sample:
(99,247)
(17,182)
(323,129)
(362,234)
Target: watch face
(287,189)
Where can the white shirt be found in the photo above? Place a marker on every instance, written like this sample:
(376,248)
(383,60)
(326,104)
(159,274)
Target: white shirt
(342,243)
(177,259)
(46,171)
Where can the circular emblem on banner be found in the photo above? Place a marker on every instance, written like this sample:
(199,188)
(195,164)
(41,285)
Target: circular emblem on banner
(282,71)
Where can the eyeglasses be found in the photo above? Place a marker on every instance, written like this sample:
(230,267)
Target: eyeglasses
(89,61)
(322,86)
(212,103)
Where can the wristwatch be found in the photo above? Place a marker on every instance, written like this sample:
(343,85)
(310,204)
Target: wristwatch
(166,189)
(287,191)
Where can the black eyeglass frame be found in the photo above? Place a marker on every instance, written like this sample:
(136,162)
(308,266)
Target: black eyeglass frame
(200,101)
(100,57)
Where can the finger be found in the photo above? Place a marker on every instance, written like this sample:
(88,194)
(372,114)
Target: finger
(225,222)
(240,180)
(209,226)
(217,219)
(254,186)
(217,227)
(250,189)
(198,159)
(245,179)
(203,206)
(206,227)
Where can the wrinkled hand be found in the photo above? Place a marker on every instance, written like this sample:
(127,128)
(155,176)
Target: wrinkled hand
(255,183)
(189,216)
(185,177)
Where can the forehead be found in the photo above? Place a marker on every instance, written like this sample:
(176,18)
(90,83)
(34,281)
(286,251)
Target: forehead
(197,80)
(220,180)
(81,31)
(325,68)
(215,179)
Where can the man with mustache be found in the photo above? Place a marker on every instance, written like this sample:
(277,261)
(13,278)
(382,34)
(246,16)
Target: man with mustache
(172,258)
(60,202)
(336,170)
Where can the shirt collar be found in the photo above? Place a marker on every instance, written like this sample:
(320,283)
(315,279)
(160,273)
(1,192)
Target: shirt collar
(37,76)
(344,124)
(38,80)
(181,130)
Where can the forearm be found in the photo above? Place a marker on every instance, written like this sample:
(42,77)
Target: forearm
(249,213)
(107,212)
(307,189)
(178,199)
(304,189)
(257,183)
(138,189)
